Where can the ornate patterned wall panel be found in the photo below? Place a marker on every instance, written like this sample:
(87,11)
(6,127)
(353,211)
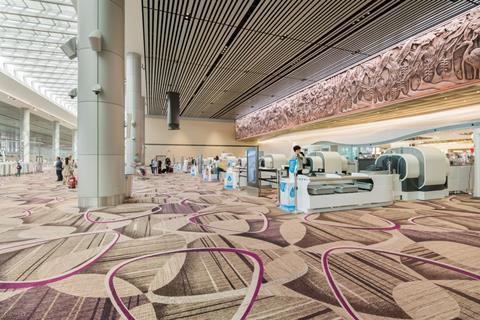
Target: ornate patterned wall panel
(445,58)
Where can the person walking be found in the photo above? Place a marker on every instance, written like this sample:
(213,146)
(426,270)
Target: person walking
(19,169)
(67,170)
(59,168)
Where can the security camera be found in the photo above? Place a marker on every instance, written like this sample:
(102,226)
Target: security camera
(72,93)
(70,48)
(97,89)
(95,38)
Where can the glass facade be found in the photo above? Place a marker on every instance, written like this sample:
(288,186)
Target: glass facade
(41,136)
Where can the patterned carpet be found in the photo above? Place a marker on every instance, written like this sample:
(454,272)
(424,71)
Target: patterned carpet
(184,249)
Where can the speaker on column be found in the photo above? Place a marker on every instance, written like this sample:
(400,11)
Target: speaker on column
(173,110)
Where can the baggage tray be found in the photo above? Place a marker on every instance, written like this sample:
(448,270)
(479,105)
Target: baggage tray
(321,189)
(364,185)
(346,189)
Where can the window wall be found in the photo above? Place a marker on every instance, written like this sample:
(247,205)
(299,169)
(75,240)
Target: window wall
(41,136)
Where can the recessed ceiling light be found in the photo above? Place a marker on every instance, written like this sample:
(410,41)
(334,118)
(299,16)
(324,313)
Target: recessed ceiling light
(187,17)
(283,37)
(445,98)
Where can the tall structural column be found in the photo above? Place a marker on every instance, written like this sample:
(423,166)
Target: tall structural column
(476,165)
(74,143)
(25,136)
(56,140)
(141,130)
(101,155)
(133,102)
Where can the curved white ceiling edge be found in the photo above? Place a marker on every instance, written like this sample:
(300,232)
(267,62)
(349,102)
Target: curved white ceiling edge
(385,131)
(27,98)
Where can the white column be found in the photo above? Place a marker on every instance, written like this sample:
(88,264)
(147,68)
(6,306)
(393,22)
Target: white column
(25,136)
(133,101)
(476,165)
(74,143)
(141,130)
(101,157)
(56,140)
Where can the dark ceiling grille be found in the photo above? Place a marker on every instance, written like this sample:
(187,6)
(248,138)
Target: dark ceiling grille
(227,58)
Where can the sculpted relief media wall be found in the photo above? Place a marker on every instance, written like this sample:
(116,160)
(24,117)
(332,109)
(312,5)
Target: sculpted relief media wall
(446,58)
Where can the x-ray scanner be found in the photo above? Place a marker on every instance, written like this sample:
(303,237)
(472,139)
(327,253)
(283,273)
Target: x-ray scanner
(273,161)
(314,163)
(327,162)
(420,172)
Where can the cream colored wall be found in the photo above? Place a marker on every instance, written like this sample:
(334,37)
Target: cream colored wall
(195,137)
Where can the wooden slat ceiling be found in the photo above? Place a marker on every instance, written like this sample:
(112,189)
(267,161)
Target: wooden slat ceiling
(227,58)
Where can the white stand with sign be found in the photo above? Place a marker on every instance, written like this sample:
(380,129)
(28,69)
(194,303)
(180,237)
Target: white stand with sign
(288,188)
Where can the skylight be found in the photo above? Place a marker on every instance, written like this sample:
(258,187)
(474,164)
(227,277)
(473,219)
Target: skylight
(31,33)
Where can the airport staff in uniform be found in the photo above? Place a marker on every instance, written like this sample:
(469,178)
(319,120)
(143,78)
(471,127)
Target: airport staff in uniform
(300,158)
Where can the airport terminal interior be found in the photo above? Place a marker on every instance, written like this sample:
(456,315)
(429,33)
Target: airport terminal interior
(239,159)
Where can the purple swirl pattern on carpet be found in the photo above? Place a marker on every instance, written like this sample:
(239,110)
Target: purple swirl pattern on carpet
(178,250)
(40,282)
(246,305)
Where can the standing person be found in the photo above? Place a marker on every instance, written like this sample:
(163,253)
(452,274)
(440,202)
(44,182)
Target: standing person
(300,158)
(168,163)
(151,166)
(19,169)
(155,166)
(59,168)
(67,170)
(216,161)
(159,166)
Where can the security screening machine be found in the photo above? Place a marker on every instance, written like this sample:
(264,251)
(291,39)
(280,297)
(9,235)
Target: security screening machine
(327,162)
(420,172)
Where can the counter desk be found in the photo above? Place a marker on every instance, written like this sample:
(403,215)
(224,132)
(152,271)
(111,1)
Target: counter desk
(335,192)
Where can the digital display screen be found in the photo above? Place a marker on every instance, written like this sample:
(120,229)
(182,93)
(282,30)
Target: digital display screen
(252,163)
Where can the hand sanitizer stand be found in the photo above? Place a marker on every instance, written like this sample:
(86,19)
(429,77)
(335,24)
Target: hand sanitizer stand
(288,188)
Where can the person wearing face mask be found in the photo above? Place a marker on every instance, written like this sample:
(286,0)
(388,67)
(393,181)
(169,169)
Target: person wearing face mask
(300,157)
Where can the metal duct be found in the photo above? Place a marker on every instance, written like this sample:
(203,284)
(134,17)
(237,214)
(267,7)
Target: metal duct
(173,111)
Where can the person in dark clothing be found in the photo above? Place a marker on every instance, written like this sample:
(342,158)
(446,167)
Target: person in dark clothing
(300,157)
(58,169)
(168,163)
(160,166)
(19,169)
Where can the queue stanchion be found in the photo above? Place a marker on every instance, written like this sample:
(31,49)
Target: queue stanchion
(279,174)
(295,210)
